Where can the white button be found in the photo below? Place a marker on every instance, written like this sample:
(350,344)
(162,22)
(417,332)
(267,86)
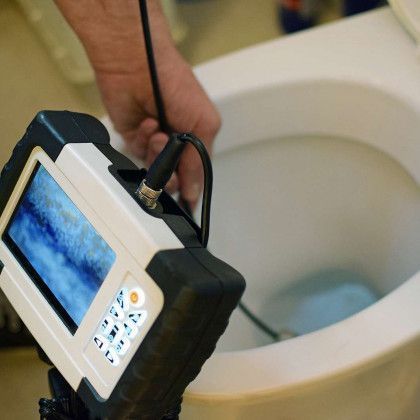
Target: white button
(123,299)
(116,333)
(116,311)
(130,329)
(112,357)
(122,346)
(137,317)
(136,297)
(101,342)
(106,326)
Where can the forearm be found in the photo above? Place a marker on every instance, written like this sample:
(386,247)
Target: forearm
(111,33)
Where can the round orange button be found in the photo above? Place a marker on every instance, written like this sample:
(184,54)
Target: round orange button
(134,297)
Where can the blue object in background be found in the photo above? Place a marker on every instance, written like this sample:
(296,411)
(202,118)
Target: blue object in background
(351,7)
(296,15)
(61,245)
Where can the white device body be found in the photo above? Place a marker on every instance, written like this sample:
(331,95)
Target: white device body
(81,170)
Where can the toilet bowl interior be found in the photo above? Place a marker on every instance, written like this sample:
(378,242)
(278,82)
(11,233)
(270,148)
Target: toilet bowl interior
(316,201)
(320,226)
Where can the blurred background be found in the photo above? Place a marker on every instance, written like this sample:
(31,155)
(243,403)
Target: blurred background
(43,66)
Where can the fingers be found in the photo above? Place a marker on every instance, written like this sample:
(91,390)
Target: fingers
(191,176)
(190,171)
(156,144)
(139,144)
(173,184)
(189,179)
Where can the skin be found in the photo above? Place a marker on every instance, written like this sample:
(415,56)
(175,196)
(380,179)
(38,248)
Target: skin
(111,34)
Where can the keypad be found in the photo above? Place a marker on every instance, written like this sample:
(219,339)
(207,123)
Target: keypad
(137,297)
(130,329)
(121,324)
(122,346)
(123,299)
(137,317)
(117,312)
(116,333)
(112,357)
(101,342)
(107,325)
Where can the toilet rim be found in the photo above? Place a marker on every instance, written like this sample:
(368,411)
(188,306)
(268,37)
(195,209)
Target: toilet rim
(374,332)
(359,340)
(379,133)
(348,344)
(355,341)
(346,69)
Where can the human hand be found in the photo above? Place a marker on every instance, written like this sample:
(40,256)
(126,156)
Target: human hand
(111,34)
(130,104)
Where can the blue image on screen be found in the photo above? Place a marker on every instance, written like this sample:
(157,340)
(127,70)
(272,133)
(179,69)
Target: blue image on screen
(61,245)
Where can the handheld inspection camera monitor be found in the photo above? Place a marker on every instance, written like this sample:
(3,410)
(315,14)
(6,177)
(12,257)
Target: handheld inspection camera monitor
(109,274)
(121,295)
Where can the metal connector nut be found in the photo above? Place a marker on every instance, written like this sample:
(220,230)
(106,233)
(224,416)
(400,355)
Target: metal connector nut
(147,195)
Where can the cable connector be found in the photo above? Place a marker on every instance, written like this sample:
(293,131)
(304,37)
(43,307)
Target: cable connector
(161,171)
(148,195)
(166,164)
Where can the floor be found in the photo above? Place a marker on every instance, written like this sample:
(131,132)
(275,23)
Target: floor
(30,81)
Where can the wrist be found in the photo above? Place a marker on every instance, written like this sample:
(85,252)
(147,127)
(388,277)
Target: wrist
(111,33)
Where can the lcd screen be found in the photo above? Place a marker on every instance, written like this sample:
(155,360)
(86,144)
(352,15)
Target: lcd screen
(58,248)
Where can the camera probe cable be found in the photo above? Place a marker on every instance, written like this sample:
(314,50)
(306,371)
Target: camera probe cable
(167,161)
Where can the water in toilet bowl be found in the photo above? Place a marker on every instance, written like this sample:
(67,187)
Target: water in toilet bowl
(320,227)
(316,301)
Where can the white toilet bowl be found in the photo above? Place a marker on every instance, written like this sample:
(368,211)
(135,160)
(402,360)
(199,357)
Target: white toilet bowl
(317,168)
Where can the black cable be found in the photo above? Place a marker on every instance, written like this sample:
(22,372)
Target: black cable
(165,164)
(260,324)
(174,411)
(164,126)
(160,107)
(208,185)
(190,138)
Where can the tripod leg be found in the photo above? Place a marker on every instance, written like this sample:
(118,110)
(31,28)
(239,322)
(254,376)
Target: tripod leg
(65,403)
(174,412)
